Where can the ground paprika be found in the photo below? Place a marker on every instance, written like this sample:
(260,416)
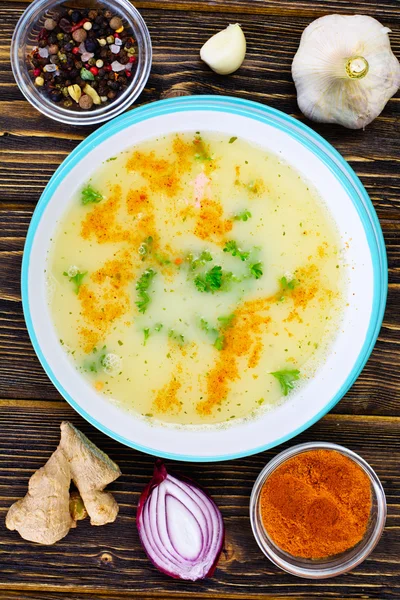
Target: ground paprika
(316,504)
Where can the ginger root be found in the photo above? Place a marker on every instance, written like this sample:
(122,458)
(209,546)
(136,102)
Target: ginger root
(91,471)
(49,510)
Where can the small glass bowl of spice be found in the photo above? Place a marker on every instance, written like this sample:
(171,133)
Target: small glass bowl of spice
(81,63)
(317,510)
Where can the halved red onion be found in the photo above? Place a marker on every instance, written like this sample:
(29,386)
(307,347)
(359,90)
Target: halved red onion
(180,526)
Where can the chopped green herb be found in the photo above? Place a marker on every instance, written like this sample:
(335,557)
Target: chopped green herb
(158,327)
(145,247)
(204,325)
(142,286)
(111,158)
(219,342)
(201,260)
(162,260)
(226,321)
(243,216)
(211,281)
(202,151)
(120,343)
(256,270)
(233,249)
(90,196)
(146,333)
(233,139)
(76,280)
(286,378)
(178,337)
(288,284)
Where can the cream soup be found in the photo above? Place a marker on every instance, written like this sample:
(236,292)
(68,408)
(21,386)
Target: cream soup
(196,279)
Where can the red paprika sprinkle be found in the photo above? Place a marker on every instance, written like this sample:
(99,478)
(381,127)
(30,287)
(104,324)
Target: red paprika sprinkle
(316,504)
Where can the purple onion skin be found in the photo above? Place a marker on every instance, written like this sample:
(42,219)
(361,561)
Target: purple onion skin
(159,474)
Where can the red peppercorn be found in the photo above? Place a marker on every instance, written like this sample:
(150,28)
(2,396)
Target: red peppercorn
(36,72)
(75,50)
(94,70)
(132,59)
(128,73)
(107,68)
(79,25)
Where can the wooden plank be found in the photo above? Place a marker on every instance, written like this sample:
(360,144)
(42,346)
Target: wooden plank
(109,559)
(381,9)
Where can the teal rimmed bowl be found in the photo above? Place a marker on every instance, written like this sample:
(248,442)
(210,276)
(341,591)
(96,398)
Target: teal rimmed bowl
(351,208)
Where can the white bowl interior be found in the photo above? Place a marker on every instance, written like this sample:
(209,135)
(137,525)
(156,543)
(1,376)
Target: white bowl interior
(301,407)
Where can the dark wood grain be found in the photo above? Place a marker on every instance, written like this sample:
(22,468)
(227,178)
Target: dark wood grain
(107,562)
(110,557)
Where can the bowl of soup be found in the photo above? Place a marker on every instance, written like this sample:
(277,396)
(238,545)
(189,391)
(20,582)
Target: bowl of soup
(204,278)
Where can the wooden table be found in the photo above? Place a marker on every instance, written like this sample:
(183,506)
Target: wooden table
(107,562)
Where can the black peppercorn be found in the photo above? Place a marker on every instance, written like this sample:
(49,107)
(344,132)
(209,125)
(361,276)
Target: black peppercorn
(76,16)
(90,45)
(68,47)
(56,95)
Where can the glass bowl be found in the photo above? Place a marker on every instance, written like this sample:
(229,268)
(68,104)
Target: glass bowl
(331,566)
(25,39)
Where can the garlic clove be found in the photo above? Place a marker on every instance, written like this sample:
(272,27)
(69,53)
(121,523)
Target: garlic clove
(224,52)
(344,70)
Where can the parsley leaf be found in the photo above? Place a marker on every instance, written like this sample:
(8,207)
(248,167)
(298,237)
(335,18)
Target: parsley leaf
(158,327)
(286,378)
(146,247)
(226,321)
(178,337)
(233,249)
(204,325)
(256,270)
(202,150)
(233,139)
(219,342)
(146,333)
(162,260)
(142,286)
(76,279)
(211,281)
(288,284)
(90,196)
(201,260)
(243,216)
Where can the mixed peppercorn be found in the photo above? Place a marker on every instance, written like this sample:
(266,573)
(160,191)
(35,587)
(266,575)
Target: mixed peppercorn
(84,58)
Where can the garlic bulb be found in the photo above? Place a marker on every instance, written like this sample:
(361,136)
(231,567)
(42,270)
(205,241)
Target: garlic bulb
(344,70)
(224,52)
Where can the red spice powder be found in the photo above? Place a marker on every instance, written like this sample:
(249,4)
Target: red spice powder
(316,504)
